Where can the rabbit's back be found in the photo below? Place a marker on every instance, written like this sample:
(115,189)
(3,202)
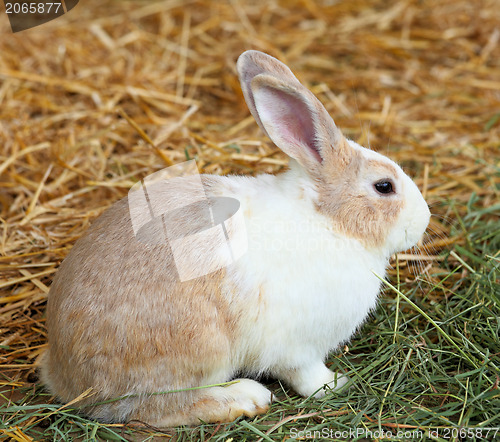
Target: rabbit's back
(120,322)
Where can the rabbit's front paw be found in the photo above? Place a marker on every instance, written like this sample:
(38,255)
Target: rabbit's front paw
(337,381)
(314,380)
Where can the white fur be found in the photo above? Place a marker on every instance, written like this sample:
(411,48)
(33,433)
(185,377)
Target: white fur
(313,295)
(307,288)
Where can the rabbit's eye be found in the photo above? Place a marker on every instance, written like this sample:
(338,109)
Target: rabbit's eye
(384,187)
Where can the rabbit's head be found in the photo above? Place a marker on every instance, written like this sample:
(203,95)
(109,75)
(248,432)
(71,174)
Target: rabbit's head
(365,195)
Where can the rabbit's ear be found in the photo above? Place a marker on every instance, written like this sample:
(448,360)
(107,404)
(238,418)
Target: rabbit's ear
(289,114)
(253,63)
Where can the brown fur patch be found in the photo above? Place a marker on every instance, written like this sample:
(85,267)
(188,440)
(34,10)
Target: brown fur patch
(354,211)
(206,409)
(120,322)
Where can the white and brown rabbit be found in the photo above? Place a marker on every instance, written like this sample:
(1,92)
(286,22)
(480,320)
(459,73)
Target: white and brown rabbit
(122,323)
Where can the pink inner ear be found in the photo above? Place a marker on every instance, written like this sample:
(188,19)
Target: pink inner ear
(288,119)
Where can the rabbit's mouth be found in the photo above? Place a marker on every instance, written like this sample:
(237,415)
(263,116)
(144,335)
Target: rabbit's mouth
(415,231)
(413,221)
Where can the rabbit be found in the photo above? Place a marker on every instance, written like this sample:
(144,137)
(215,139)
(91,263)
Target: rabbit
(132,342)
